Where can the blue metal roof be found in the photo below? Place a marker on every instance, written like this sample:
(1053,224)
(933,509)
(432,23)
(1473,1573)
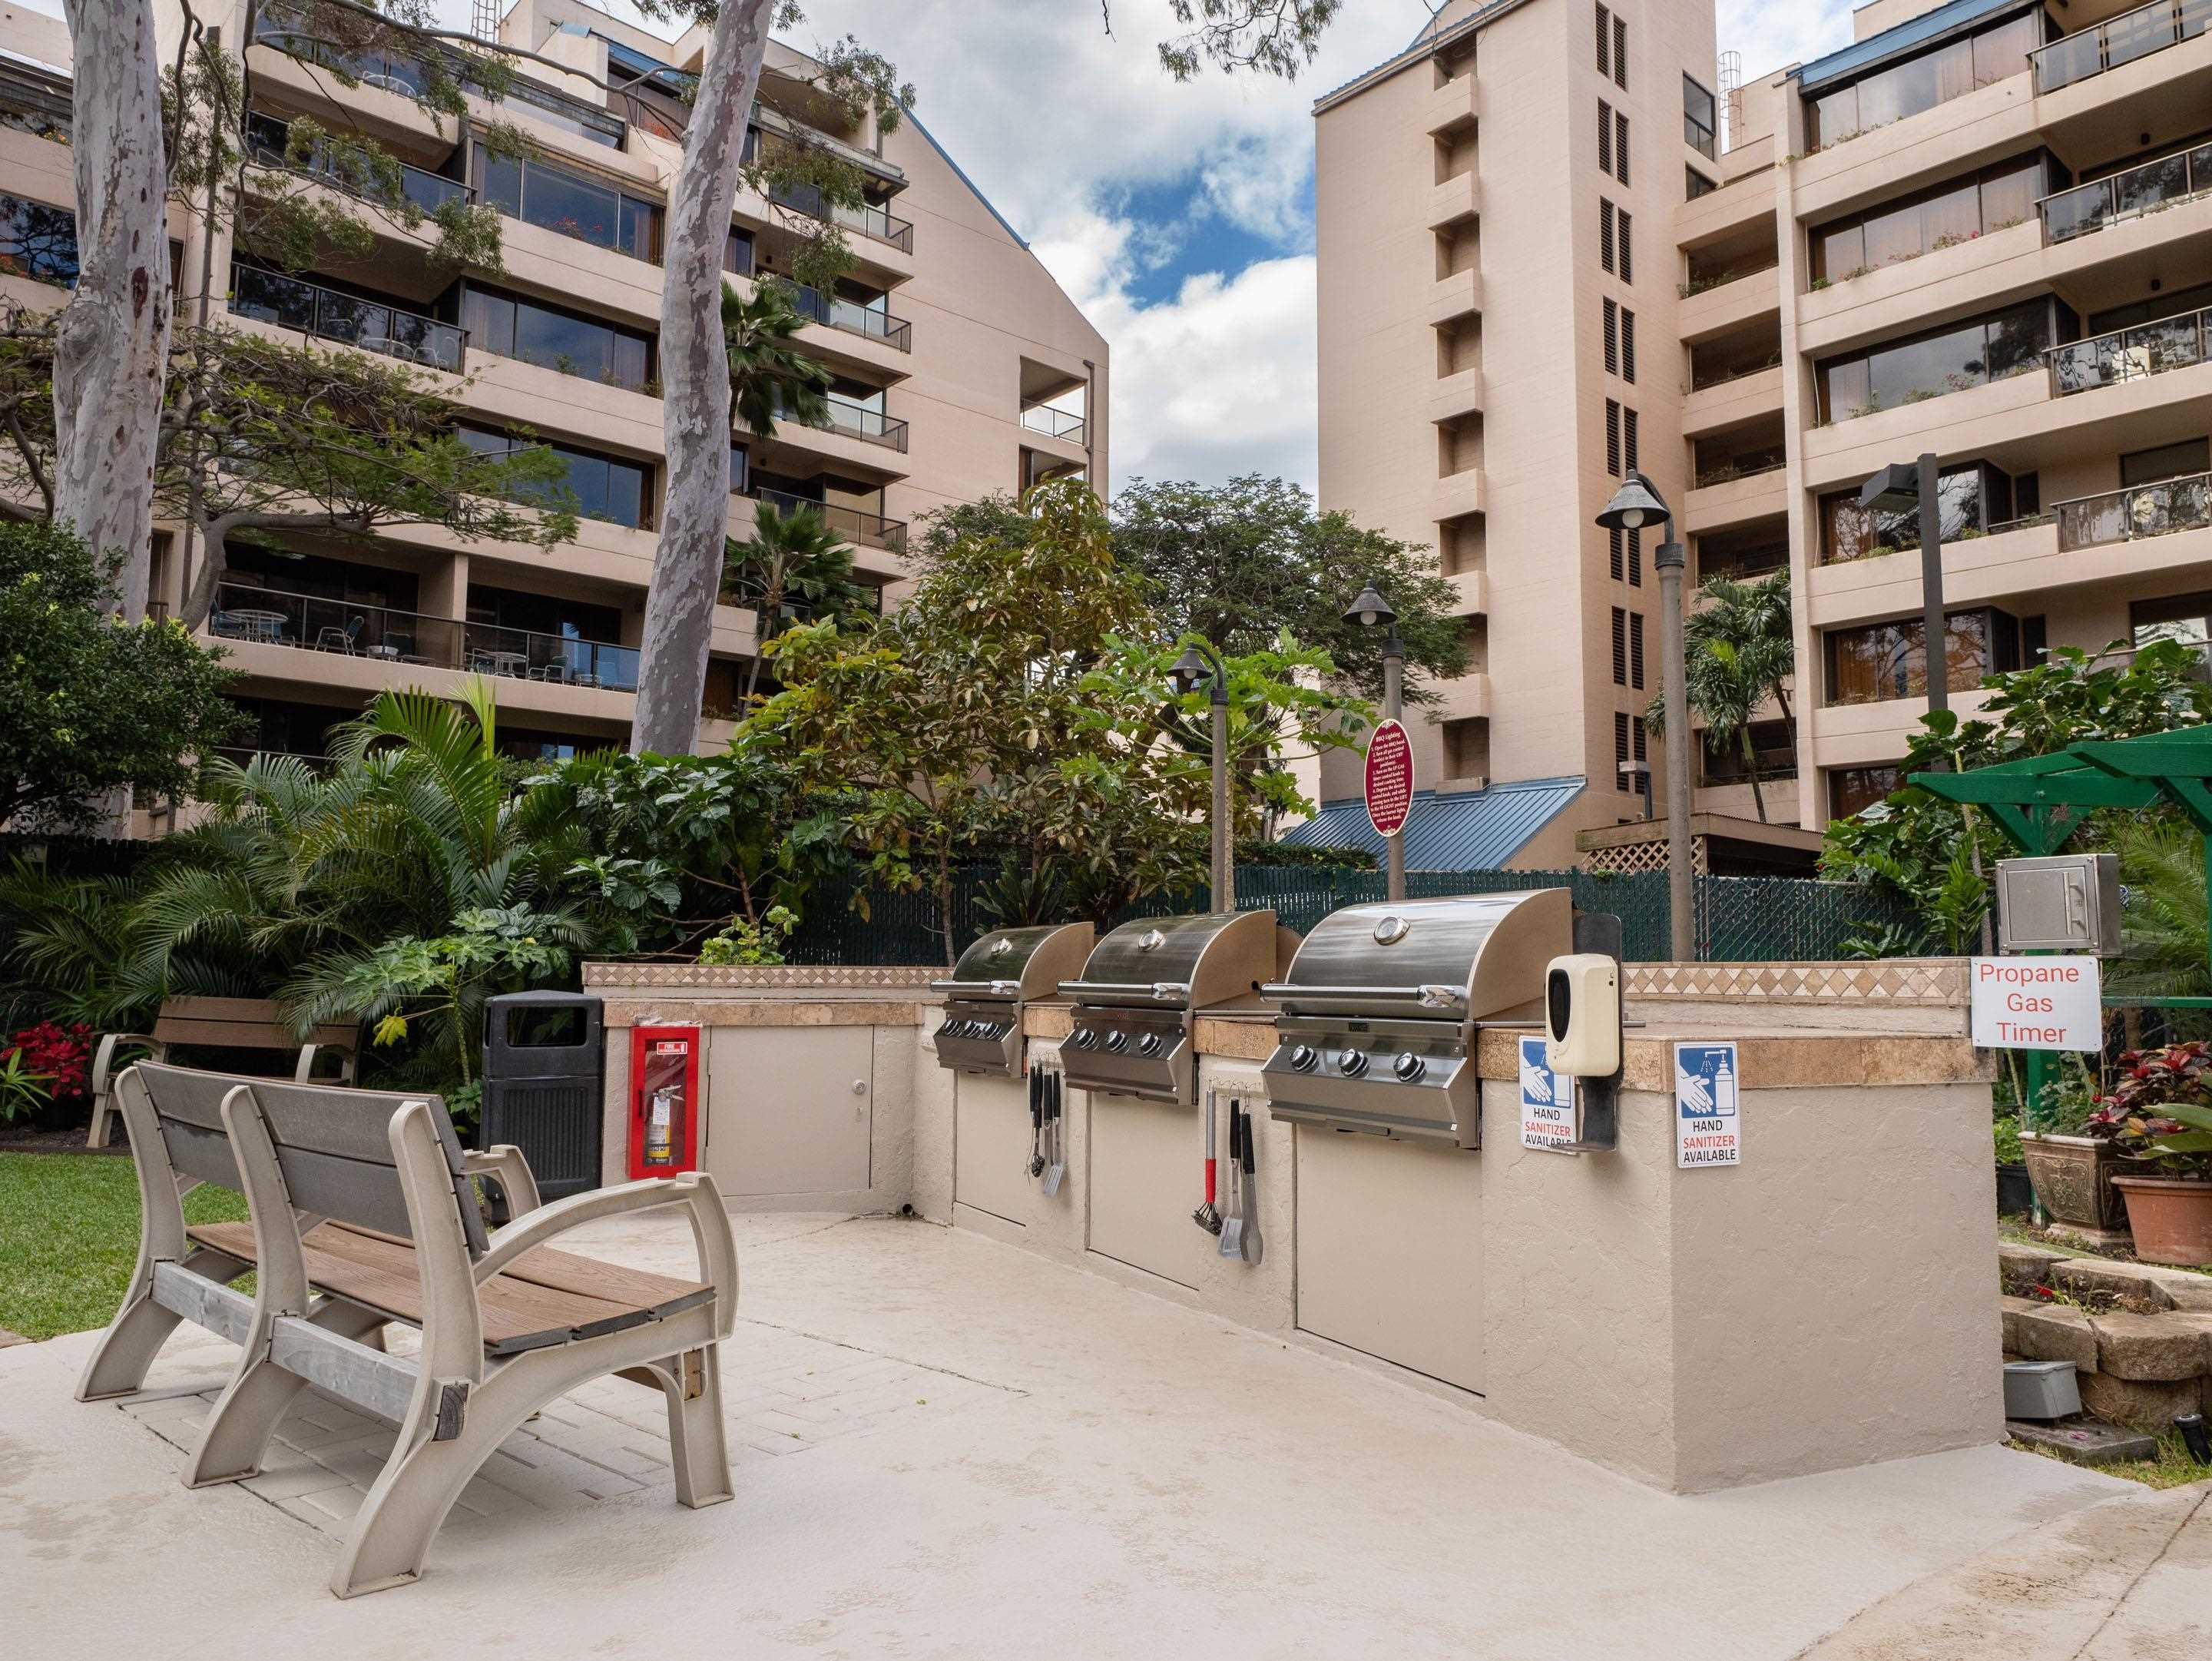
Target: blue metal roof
(1914,31)
(1470,830)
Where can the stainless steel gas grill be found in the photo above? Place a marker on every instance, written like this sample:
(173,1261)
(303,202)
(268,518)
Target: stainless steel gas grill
(1133,1005)
(1380,1008)
(998,975)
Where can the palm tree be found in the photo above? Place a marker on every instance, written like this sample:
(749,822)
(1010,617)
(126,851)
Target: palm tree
(770,377)
(1737,655)
(1755,618)
(794,562)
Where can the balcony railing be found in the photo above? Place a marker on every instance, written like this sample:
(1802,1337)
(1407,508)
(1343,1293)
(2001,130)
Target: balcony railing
(2151,349)
(272,616)
(863,423)
(2150,188)
(853,318)
(872,529)
(2137,513)
(750,595)
(2118,40)
(880,224)
(269,141)
(1054,423)
(369,324)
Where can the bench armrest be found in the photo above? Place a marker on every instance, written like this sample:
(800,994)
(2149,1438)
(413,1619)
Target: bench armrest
(505,1165)
(694,1191)
(103,1060)
(303,1070)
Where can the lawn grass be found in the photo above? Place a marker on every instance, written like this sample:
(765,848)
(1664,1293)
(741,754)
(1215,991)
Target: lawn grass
(2172,1468)
(69,1236)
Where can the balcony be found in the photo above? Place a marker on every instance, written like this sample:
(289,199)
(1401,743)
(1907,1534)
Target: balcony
(2136,514)
(268,141)
(855,318)
(1063,424)
(2152,348)
(1458,199)
(370,326)
(2106,45)
(879,224)
(862,422)
(2151,188)
(871,529)
(1453,105)
(270,617)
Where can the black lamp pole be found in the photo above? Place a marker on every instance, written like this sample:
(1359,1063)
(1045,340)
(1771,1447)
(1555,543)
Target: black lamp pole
(1372,611)
(1197,663)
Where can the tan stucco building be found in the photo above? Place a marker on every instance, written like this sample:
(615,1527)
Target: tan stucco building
(962,368)
(1947,238)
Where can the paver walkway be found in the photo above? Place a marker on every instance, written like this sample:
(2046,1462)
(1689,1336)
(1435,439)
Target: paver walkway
(948,1449)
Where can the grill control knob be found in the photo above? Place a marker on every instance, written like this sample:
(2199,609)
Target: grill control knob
(1085,1038)
(1409,1066)
(1117,1042)
(1353,1061)
(1149,1044)
(1304,1058)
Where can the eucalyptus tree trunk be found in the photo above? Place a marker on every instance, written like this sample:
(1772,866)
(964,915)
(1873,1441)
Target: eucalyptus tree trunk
(111,353)
(695,374)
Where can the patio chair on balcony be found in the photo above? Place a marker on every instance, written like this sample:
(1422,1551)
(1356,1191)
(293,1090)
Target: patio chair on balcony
(331,638)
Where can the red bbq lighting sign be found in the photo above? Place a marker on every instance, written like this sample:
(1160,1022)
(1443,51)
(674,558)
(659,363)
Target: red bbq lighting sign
(1390,779)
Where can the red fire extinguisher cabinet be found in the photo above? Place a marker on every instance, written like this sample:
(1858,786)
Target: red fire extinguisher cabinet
(664,1100)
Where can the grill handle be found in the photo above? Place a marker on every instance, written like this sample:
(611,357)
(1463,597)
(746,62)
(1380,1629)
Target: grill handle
(1158,991)
(985,988)
(1432,996)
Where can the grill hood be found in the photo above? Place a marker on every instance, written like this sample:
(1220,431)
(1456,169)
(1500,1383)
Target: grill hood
(1019,963)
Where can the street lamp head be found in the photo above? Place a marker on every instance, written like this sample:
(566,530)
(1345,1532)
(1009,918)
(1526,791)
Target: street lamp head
(1635,505)
(1189,670)
(1370,610)
(1895,486)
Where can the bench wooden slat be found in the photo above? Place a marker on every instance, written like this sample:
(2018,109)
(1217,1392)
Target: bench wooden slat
(564,1271)
(380,1272)
(239,1024)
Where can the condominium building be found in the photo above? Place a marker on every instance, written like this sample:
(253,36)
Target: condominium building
(1981,231)
(960,368)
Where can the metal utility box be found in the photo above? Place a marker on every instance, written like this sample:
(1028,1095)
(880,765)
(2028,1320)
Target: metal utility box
(2070,903)
(544,1056)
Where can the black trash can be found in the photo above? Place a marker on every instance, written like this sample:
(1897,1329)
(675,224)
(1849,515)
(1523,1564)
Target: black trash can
(544,1064)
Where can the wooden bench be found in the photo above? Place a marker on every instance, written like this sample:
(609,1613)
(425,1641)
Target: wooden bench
(217,1023)
(364,1211)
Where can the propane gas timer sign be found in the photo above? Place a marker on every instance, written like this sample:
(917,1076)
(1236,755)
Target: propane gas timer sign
(1708,1128)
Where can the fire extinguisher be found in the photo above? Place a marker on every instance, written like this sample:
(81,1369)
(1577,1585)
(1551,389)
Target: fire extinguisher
(660,1129)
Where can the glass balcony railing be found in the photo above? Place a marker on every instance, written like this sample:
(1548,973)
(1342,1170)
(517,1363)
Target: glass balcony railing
(2150,188)
(370,324)
(864,422)
(2152,348)
(852,317)
(2118,40)
(2138,511)
(880,224)
(272,617)
(871,529)
(268,140)
(1054,423)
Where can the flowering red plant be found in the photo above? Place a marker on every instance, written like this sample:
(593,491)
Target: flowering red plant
(61,1056)
(2177,1079)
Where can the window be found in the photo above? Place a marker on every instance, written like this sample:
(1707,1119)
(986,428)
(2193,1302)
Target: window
(1972,354)
(1635,650)
(1700,119)
(1628,438)
(1611,339)
(2156,309)
(1620,148)
(741,463)
(1619,647)
(1627,346)
(574,204)
(1879,661)
(1605,234)
(605,487)
(1627,249)
(1974,497)
(1852,790)
(1754,552)
(1604,136)
(2183,460)
(1623,781)
(509,326)
(1636,559)
(1949,69)
(1772,756)
(1604,40)
(1994,199)
(37,241)
(1695,185)
(1620,53)
(737,252)
(1612,438)
(2185,617)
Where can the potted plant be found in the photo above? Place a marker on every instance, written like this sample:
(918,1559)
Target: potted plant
(2071,1172)
(2159,1117)
(2015,1192)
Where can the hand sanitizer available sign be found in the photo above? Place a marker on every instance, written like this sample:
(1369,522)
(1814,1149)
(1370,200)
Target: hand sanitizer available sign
(1708,1128)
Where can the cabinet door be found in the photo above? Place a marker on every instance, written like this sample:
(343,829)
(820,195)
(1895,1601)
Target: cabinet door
(789,1109)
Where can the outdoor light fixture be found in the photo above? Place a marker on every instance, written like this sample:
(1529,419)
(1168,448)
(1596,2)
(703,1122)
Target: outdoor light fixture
(1895,487)
(1196,664)
(1372,611)
(1635,505)
(1190,669)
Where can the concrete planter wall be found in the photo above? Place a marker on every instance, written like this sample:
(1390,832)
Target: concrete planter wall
(2172,1219)
(2073,1178)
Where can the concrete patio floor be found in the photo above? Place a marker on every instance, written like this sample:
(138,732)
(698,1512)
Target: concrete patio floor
(946,1448)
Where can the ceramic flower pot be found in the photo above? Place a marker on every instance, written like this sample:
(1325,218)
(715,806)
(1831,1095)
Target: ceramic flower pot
(2172,1218)
(2073,1178)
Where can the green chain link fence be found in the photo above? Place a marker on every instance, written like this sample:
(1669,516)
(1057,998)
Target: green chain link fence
(1740,918)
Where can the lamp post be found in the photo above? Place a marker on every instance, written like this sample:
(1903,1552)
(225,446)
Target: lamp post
(1197,663)
(1636,504)
(1372,611)
(1896,487)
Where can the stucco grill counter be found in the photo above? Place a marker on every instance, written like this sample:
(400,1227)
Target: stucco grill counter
(992,984)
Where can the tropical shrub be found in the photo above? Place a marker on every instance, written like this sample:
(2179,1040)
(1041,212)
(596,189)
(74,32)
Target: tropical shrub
(2160,1111)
